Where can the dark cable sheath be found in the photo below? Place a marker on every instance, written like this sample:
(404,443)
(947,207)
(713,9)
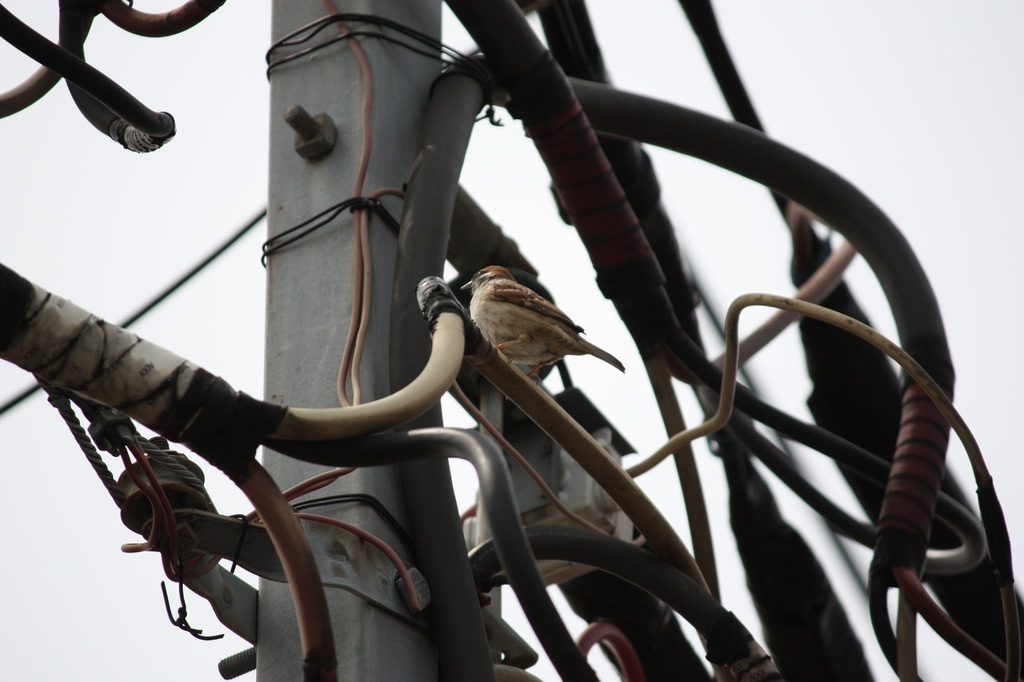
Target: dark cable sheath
(145,132)
(75,70)
(848,454)
(784,469)
(498,504)
(456,620)
(158,25)
(840,204)
(878,609)
(702,19)
(649,623)
(573,43)
(805,624)
(726,636)
(856,396)
(156,300)
(540,95)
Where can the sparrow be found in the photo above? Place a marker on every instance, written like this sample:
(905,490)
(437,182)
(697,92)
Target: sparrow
(525,326)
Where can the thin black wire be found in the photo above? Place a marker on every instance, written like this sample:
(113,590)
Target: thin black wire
(277,242)
(159,298)
(182,620)
(241,540)
(448,55)
(370,500)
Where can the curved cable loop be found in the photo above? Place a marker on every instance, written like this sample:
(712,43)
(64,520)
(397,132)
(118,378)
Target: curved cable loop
(161,25)
(30,91)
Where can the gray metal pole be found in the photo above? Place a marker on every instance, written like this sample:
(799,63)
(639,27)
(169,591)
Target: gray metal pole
(309,299)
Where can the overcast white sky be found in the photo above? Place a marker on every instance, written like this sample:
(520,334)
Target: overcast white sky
(919,104)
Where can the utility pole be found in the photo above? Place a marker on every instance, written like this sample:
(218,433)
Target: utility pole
(309,299)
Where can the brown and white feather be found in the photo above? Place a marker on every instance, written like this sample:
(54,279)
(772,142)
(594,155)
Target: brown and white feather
(525,326)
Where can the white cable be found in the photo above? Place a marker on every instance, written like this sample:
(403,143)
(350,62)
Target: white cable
(399,407)
(71,347)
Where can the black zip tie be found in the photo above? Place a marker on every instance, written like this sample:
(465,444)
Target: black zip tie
(241,538)
(491,114)
(315,222)
(182,620)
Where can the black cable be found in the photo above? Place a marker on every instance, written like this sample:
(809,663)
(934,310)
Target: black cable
(160,297)
(427,491)
(878,610)
(749,153)
(145,132)
(805,625)
(315,222)
(75,70)
(725,635)
(617,557)
(702,19)
(850,455)
(785,470)
(573,43)
(498,504)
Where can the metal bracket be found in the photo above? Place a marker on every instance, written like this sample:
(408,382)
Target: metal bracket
(345,562)
(234,601)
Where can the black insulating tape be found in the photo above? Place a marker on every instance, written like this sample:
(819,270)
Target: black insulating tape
(625,279)
(537,92)
(230,425)
(727,640)
(635,172)
(434,297)
(15,297)
(931,351)
(995,532)
(637,288)
(896,547)
(211,6)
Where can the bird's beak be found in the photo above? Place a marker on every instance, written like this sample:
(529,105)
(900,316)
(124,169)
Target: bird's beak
(467,285)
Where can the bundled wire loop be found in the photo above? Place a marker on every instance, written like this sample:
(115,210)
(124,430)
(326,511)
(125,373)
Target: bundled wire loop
(302,230)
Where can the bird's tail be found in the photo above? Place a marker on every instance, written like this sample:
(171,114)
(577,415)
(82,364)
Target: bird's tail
(603,355)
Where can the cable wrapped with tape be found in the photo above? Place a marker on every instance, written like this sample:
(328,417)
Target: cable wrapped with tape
(68,346)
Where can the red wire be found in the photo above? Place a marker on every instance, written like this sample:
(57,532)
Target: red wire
(410,589)
(163,513)
(919,598)
(622,649)
(317,482)
(315,635)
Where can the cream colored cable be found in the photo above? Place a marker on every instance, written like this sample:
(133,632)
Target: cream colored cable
(542,409)
(934,392)
(686,469)
(361,225)
(817,287)
(718,420)
(890,348)
(424,391)
(859,329)
(906,641)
